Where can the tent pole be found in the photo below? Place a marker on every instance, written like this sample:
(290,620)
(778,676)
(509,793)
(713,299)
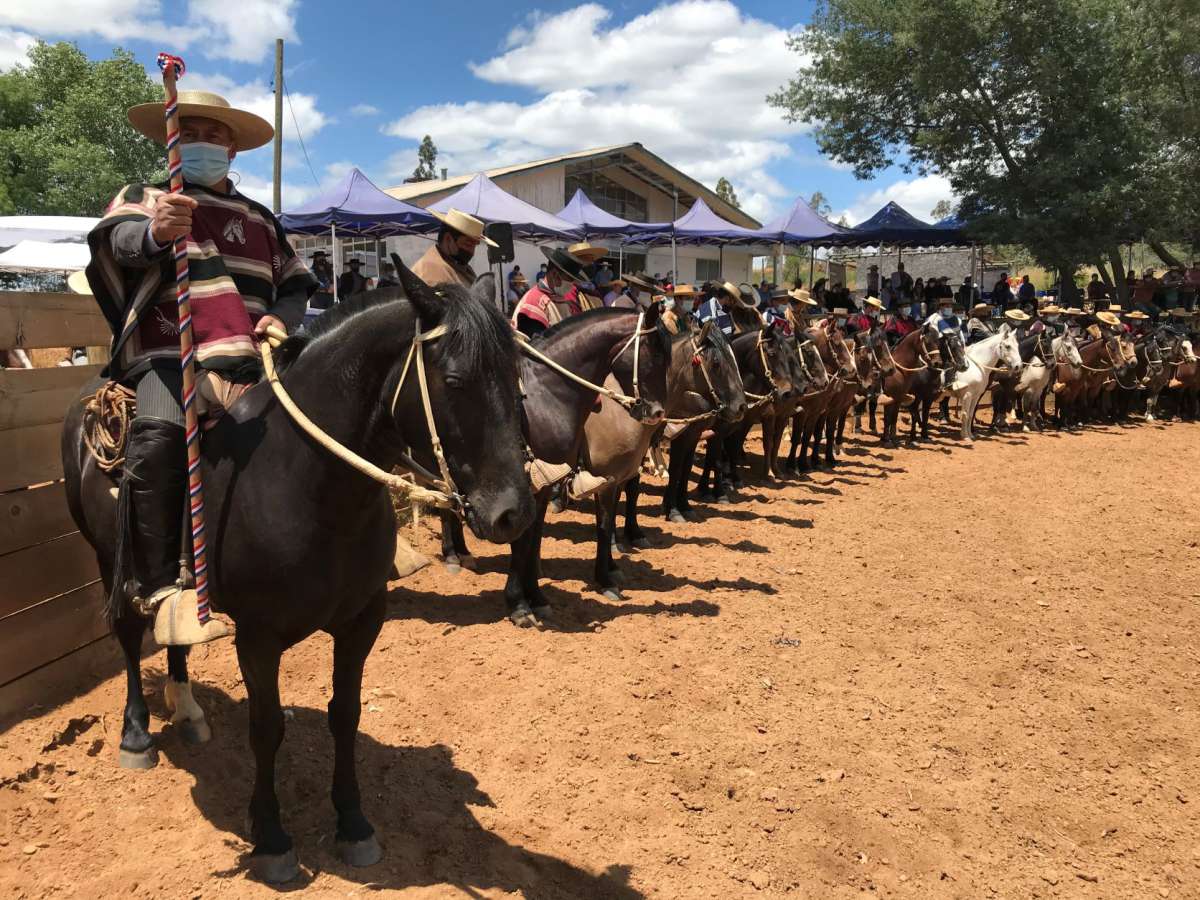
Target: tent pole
(812,262)
(621,261)
(674,257)
(333,252)
(721,261)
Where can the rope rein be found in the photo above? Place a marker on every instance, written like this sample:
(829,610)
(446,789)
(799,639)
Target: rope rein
(106,419)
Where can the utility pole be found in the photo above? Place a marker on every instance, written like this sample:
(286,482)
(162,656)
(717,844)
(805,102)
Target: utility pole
(277,202)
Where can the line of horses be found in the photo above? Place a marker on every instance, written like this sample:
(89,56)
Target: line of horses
(300,542)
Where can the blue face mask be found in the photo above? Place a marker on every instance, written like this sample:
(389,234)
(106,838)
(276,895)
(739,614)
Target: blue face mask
(205,164)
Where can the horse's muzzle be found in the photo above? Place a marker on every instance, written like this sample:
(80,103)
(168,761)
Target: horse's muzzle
(648,412)
(503,516)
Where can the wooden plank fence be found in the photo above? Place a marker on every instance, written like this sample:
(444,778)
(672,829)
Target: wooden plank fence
(50,594)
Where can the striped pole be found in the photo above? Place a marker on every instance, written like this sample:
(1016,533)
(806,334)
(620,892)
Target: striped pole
(172,69)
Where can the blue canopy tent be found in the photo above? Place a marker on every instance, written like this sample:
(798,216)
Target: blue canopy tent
(803,225)
(592,221)
(484,199)
(356,206)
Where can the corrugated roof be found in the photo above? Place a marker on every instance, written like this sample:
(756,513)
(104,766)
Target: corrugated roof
(648,166)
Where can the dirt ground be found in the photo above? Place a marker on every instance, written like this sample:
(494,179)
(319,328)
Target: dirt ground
(940,672)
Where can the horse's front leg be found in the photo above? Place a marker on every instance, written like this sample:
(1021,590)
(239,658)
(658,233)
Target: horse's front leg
(137,746)
(352,641)
(521,592)
(455,554)
(633,531)
(186,714)
(273,859)
(605,572)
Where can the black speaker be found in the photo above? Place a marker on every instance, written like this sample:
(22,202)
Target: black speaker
(501,233)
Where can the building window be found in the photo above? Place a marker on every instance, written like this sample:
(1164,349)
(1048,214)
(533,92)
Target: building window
(606,194)
(634,262)
(367,249)
(708,270)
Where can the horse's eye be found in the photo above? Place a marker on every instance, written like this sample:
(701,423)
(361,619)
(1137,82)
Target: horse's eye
(454,382)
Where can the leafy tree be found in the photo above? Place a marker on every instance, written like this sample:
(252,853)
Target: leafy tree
(941,210)
(426,160)
(66,146)
(820,205)
(1044,144)
(726,192)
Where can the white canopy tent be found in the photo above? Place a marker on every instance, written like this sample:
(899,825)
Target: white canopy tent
(14,229)
(44,256)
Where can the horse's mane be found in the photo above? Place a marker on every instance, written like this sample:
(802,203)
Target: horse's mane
(574,323)
(476,334)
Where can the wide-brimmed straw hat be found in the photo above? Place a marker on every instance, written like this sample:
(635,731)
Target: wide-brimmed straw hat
(1052,309)
(1108,318)
(1179,312)
(841,311)
(249,130)
(684,290)
(589,253)
(640,282)
(463,223)
(873,302)
(565,263)
(1015,315)
(1073,311)
(77,282)
(802,297)
(981,308)
(1136,314)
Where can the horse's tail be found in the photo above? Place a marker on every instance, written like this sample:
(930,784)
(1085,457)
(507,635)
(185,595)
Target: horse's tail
(117,604)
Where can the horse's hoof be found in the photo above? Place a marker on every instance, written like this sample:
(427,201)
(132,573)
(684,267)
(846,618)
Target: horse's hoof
(523,619)
(468,562)
(723,500)
(275,869)
(453,564)
(131,759)
(612,594)
(640,543)
(690,516)
(543,611)
(195,731)
(360,853)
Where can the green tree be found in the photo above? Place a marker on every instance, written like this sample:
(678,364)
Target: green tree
(426,159)
(819,203)
(66,146)
(726,192)
(941,210)
(1043,145)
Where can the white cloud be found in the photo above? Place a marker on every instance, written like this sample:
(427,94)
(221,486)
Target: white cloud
(14,47)
(917,195)
(245,32)
(257,97)
(364,109)
(688,80)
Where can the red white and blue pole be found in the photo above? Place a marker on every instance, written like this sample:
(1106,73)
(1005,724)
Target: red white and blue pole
(172,69)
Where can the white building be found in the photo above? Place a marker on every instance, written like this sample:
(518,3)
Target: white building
(628,181)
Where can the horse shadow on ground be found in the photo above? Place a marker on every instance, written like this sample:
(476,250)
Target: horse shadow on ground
(419,801)
(639,574)
(745,515)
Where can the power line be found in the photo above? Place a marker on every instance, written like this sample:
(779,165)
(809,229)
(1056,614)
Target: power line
(287,94)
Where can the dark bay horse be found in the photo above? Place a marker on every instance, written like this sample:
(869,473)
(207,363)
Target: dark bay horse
(299,541)
(810,420)
(593,345)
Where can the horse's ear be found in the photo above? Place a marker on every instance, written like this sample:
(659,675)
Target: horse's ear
(484,289)
(653,312)
(706,330)
(419,294)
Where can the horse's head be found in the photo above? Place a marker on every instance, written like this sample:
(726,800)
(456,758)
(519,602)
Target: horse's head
(720,371)
(813,365)
(1067,350)
(1008,351)
(775,362)
(470,382)
(875,342)
(641,364)
(1186,351)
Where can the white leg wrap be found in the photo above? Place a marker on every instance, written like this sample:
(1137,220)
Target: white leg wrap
(182,704)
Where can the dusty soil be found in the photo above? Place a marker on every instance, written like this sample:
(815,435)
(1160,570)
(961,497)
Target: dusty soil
(940,672)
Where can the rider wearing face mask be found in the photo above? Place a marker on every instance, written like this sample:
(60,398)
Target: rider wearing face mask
(448,261)
(866,319)
(245,277)
(551,299)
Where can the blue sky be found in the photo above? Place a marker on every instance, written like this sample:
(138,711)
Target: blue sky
(493,84)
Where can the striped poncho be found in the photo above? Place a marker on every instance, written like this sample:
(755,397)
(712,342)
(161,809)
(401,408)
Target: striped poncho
(241,268)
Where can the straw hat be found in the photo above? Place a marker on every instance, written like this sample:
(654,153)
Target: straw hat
(639,282)
(1015,315)
(249,130)
(464,224)
(981,308)
(841,311)
(802,297)
(1136,314)
(684,290)
(1052,309)
(1073,311)
(77,282)
(1179,312)
(519,278)
(616,283)
(563,261)
(873,303)
(589,253)
(946,301)
(1108,318)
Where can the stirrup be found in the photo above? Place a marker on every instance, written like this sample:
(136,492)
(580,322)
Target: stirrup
(584,484)
(542,474)
(175,620)
(1059,387)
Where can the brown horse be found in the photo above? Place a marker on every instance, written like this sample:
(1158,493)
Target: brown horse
(917,354)
(838,363)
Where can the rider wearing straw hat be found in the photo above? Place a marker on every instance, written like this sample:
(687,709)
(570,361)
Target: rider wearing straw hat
(552,299)
(245,278)
(717,308)
(448,261)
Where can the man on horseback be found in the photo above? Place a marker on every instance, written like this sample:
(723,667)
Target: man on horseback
(979,326)
(245,278)
(552,299)
(717,308)
(448,261)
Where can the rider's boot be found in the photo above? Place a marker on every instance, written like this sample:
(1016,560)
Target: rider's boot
(156,472)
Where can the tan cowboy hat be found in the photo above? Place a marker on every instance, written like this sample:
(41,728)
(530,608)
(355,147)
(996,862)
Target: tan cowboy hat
(249,130)
(77,282)
(841,311)
(981,308)
(1051,310)
(589,253)
(1179,312)
(459,221)
(1108,318)
(732,289)
(519,278)
(1073,311)
(684,290)
(802,296)
(1136,314)
(616,283)
(1015,315)
(872,302)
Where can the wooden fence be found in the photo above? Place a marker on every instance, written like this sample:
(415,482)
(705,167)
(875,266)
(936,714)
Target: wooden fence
(50,594)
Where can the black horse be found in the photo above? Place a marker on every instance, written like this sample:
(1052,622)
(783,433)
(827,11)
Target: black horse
(301,542)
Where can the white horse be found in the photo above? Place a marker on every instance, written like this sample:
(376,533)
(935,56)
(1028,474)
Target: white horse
(983,358)
(1039,372)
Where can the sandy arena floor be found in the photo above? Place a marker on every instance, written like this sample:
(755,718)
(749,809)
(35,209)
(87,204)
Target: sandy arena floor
(939,672)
